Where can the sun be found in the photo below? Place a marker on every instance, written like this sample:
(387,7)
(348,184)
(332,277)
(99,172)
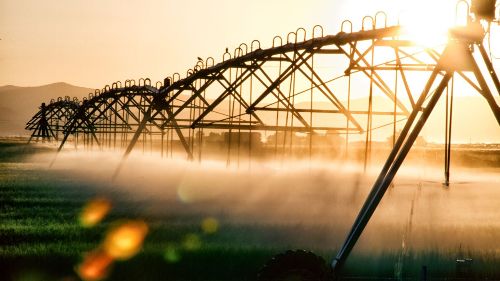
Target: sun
(427,22)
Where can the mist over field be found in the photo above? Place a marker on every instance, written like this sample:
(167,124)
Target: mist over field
(234,219)
(317,201)
(235,140)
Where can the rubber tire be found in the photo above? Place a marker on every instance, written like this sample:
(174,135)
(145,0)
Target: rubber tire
(297,265)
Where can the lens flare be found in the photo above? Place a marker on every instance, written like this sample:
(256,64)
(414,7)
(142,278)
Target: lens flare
(210,225)
(192,242)
(189,191)
(125,240)
(172,254)
(95,266)
(184,194)
(94,211)
(192,190)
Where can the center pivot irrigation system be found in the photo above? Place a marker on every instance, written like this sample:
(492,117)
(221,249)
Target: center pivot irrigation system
(286,90)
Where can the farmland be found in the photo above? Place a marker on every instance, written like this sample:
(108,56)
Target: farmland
(257,214)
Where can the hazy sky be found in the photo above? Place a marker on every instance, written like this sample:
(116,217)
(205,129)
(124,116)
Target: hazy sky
(95,42)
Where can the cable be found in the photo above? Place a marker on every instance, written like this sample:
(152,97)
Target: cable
(344,75)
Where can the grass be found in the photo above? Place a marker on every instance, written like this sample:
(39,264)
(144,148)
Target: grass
(41,238)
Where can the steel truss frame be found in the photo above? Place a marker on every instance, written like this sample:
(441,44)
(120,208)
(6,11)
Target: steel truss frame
(257,89)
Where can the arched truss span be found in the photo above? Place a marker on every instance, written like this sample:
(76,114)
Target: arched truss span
(297,85)
(286,88)
(50,121)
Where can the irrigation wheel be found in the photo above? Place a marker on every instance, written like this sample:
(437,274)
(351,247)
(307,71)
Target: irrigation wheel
(297,265)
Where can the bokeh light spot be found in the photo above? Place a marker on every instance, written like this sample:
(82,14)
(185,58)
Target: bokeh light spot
(183,194)
(192,190)
(95,266)
(172,254)
(187,192)
(125,240)
(192,242)
(94,211)
(210,225)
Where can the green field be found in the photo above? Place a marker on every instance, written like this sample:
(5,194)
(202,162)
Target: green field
(41,237)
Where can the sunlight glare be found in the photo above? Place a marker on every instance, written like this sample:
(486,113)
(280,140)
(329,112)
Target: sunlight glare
(427,22)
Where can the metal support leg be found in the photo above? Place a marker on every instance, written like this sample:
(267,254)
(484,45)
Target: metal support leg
(146,118)
(447,142)
(486,92)
(391,167)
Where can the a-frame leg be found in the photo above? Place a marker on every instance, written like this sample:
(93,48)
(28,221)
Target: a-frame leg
(393,163)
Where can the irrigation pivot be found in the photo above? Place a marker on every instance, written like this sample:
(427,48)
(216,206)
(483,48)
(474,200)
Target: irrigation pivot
(284,90)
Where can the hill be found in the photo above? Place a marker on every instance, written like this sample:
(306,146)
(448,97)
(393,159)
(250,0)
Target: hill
(19,104)
(472,118)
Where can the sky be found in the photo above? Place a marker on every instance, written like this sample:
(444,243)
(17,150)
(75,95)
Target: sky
(92,43)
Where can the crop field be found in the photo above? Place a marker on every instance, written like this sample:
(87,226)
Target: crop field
(208,222)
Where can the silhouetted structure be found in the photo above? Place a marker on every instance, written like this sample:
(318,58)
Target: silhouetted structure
(280,91)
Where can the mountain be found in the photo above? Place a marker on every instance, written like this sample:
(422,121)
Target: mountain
(19,104)
(472,118)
